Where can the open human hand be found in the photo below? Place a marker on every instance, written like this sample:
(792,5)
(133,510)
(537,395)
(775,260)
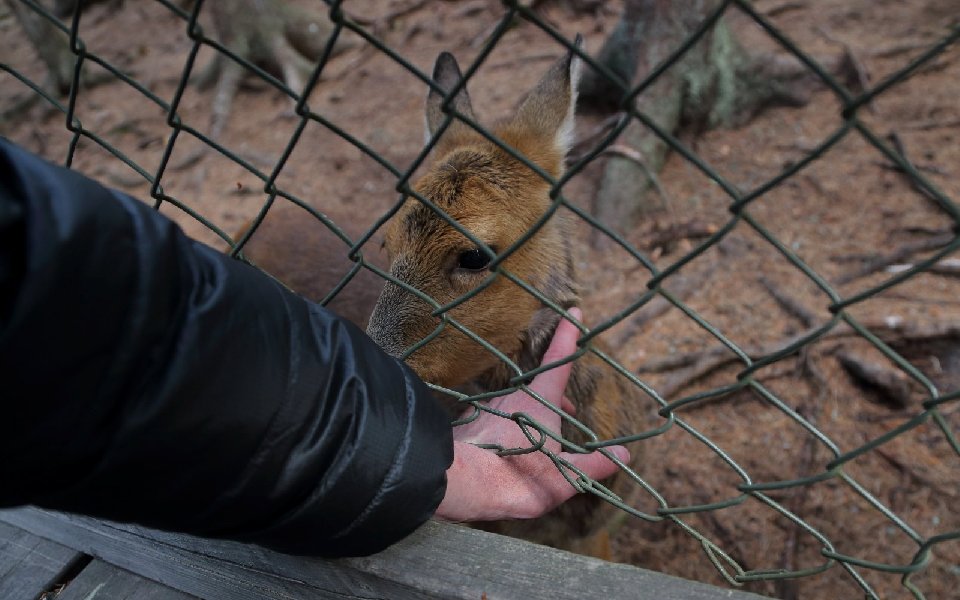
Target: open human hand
(483,486)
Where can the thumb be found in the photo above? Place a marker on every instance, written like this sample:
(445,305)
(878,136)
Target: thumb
(550,384)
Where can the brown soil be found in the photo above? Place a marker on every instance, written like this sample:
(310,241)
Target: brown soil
(840,209)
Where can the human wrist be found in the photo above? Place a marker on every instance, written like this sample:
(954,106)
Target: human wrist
(469,495)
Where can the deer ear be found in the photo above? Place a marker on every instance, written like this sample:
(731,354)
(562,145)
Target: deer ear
(548,110)
(446,74)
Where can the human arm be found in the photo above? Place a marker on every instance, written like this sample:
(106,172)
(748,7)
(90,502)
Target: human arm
(149,378)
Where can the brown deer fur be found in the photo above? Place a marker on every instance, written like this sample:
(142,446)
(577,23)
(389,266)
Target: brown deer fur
(307,257)
(497,199)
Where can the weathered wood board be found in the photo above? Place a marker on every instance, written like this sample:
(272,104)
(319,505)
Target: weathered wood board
(30,565)
(101,581)
(437,561)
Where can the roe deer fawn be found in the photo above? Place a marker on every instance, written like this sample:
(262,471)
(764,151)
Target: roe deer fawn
(498,199)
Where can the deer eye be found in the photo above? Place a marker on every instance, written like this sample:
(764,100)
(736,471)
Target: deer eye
(473,260)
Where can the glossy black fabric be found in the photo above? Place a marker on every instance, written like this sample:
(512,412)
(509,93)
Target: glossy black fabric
(146,377)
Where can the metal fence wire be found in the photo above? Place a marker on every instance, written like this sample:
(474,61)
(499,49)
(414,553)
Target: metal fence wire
(851,124)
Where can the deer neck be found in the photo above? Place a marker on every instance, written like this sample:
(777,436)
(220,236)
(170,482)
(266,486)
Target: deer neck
(560,288)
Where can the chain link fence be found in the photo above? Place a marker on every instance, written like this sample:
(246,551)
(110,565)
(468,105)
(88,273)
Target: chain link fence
(931,411)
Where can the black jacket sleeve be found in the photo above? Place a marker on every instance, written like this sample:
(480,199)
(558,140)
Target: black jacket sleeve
(146,377)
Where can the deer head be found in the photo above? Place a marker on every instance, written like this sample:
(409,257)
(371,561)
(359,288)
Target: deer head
(497,199)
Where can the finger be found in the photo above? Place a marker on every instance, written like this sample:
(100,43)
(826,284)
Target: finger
(597,466)
(551,384)
(554,487)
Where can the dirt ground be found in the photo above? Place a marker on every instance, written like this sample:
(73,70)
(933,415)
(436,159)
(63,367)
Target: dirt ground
(836,215)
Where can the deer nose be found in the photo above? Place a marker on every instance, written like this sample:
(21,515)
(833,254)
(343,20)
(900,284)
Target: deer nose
(385,322)
(395,311)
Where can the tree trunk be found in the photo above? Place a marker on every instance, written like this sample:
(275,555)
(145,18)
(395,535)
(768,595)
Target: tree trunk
(716,84)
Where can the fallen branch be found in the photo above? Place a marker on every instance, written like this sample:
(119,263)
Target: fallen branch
(947,266)
(893,384)
(926,168)
(789,304)
(898,256)
(927,125)
(678,231)
(783,8)
(470,9)
(922,230)
(902,151)
(381,23)
(888,295)
(898,49)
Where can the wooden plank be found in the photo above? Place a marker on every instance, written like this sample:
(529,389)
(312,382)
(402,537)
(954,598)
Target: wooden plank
(30,565)
(437,561)
(101,581)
